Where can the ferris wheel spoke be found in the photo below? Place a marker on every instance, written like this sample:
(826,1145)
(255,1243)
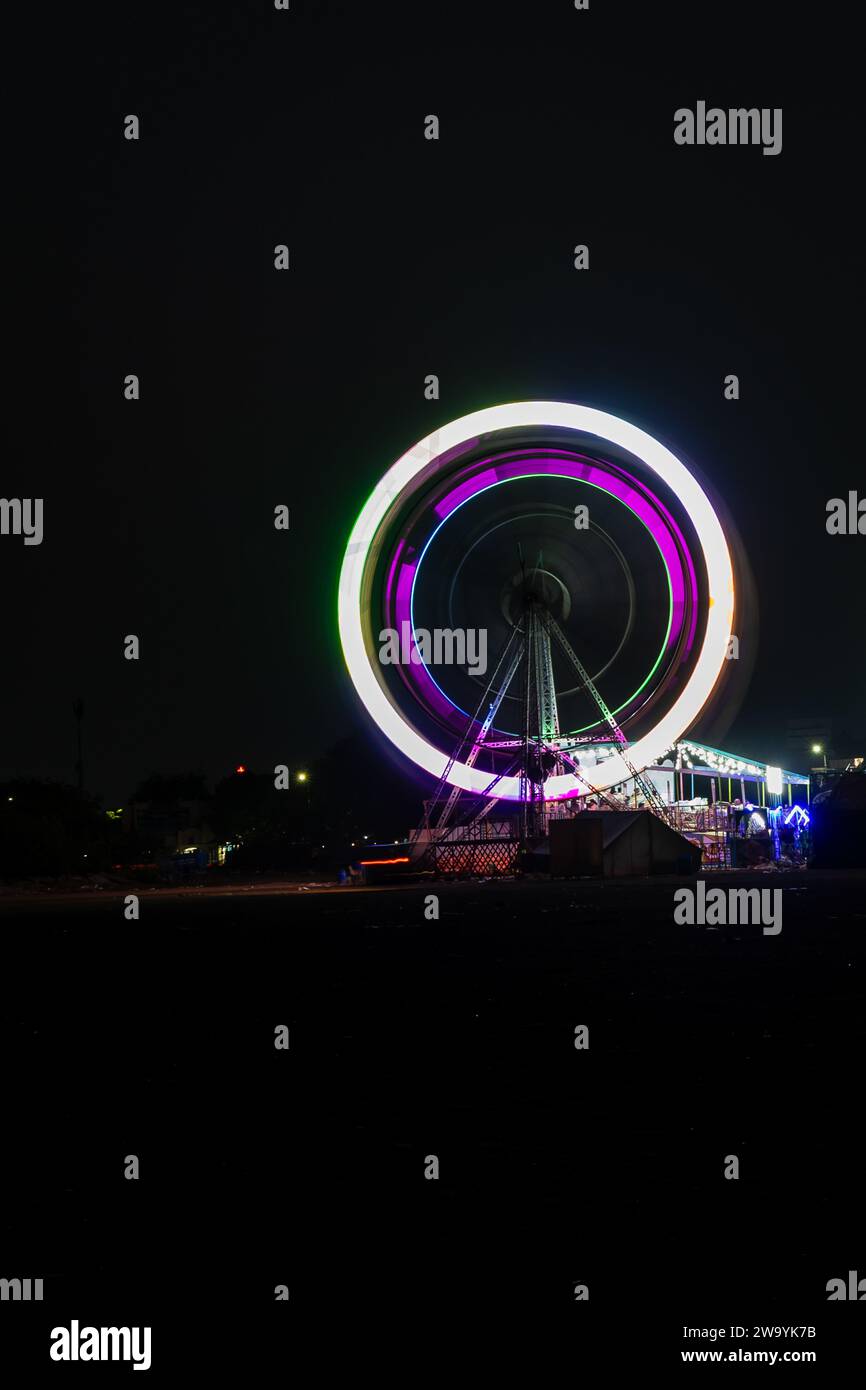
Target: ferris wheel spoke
(450,801)
(648,789)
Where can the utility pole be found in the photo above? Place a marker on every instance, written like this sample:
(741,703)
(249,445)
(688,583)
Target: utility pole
(78,711)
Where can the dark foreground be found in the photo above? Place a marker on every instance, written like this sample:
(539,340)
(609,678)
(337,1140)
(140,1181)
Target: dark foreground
(453,1038)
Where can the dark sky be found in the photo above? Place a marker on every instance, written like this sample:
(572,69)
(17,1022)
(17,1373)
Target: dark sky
(408,257)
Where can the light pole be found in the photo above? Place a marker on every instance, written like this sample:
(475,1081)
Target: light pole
(304,777)
(78,711)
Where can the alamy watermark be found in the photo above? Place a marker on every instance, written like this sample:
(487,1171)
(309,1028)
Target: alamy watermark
(444,646)
(855,1289)
(845,516)
(721,907)
(736,126)
(76,1343)
(22,516)
(21,1290)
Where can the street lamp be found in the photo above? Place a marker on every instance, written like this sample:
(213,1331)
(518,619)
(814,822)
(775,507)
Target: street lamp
(304,778)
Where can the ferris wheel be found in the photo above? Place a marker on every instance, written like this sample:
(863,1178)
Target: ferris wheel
(587,562)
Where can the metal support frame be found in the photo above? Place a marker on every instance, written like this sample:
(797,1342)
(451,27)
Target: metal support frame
(650,792)
(528,651)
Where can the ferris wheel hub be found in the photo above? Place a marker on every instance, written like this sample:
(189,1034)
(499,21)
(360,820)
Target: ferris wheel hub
(541,588)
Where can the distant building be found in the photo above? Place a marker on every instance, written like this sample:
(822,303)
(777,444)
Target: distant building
(176,827)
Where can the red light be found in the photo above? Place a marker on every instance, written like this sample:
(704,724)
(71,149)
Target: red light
(240,768)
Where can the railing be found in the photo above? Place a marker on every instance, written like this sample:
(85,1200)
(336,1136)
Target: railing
(482,857)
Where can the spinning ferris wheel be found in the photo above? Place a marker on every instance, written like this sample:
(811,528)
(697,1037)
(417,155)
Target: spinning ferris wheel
(594,566)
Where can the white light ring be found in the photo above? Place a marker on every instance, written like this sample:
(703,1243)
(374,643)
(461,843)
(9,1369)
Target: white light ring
(720,585)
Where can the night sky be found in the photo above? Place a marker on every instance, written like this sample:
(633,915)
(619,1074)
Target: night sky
(408,257)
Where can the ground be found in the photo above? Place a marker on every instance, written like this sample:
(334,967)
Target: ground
(454,1038)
